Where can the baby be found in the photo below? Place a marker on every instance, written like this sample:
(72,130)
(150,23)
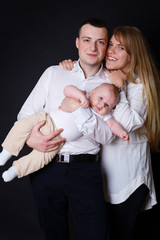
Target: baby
(102,100)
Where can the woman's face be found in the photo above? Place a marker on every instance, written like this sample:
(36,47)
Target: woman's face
(117,57)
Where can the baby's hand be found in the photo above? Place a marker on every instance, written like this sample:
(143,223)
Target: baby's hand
(84,103)
(125,137)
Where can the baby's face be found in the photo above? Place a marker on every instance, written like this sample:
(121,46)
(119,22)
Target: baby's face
(102,100)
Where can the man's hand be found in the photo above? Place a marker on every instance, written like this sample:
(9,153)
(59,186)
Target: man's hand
(44,143)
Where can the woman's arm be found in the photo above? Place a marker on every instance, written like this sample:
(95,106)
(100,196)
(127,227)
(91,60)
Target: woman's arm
(67,64)
(128,114)
(131,110)
(117,77)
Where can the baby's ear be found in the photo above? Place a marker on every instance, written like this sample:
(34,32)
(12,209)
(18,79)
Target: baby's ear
(93,90)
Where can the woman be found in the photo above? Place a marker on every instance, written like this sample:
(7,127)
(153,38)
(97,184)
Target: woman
(127,169)
(128,178)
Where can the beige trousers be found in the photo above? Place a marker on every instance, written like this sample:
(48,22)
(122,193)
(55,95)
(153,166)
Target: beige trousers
(17,137)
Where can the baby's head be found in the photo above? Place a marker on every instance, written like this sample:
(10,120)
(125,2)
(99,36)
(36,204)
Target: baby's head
(104,98)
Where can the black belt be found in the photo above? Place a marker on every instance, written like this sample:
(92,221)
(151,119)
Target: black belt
(76,158)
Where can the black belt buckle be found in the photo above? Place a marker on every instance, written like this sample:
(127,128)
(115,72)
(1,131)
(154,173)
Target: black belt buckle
(63,158)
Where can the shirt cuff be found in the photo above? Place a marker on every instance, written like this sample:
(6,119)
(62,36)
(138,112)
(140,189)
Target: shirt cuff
(108,116)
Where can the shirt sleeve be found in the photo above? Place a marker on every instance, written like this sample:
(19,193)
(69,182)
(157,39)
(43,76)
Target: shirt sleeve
(37,99)
(93,126)
(131,111)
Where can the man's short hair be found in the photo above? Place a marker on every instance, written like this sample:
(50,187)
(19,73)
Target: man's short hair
(95,22)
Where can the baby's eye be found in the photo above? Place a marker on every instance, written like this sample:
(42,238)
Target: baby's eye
(106,105)
(101,98)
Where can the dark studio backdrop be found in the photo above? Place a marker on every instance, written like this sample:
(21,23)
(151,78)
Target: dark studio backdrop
(34,36)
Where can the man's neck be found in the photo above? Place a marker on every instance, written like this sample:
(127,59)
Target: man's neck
(89,70)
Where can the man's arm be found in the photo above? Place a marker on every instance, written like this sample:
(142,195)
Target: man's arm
(36,100)
(33,104)
(44,143)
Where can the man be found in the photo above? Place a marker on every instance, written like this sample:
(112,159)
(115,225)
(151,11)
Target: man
(73,179)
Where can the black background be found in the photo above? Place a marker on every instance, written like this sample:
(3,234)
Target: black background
(38,34)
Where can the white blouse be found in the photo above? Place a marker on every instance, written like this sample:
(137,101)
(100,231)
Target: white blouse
(125,166)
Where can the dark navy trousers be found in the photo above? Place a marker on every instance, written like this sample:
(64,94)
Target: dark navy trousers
(123,216)
(74,187)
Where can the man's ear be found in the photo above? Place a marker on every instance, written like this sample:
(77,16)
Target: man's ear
(77,42)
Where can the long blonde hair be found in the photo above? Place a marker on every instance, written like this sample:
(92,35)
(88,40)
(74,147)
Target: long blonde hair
(144,66)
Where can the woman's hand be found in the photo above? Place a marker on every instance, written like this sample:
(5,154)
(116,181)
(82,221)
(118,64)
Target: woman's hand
(44,143)
(69,104)
(67,64)
(117,77)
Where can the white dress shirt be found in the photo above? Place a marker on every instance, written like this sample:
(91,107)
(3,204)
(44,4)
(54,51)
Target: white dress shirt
(125,166)
(48,94)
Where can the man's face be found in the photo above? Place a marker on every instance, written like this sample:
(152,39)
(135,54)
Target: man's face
(92,45)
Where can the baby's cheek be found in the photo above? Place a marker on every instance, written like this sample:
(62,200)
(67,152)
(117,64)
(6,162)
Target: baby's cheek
(105,111)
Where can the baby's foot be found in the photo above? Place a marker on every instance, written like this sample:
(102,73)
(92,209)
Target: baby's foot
(10,174)
(4,157)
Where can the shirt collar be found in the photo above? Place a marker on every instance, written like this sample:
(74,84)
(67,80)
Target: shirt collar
(100,73)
